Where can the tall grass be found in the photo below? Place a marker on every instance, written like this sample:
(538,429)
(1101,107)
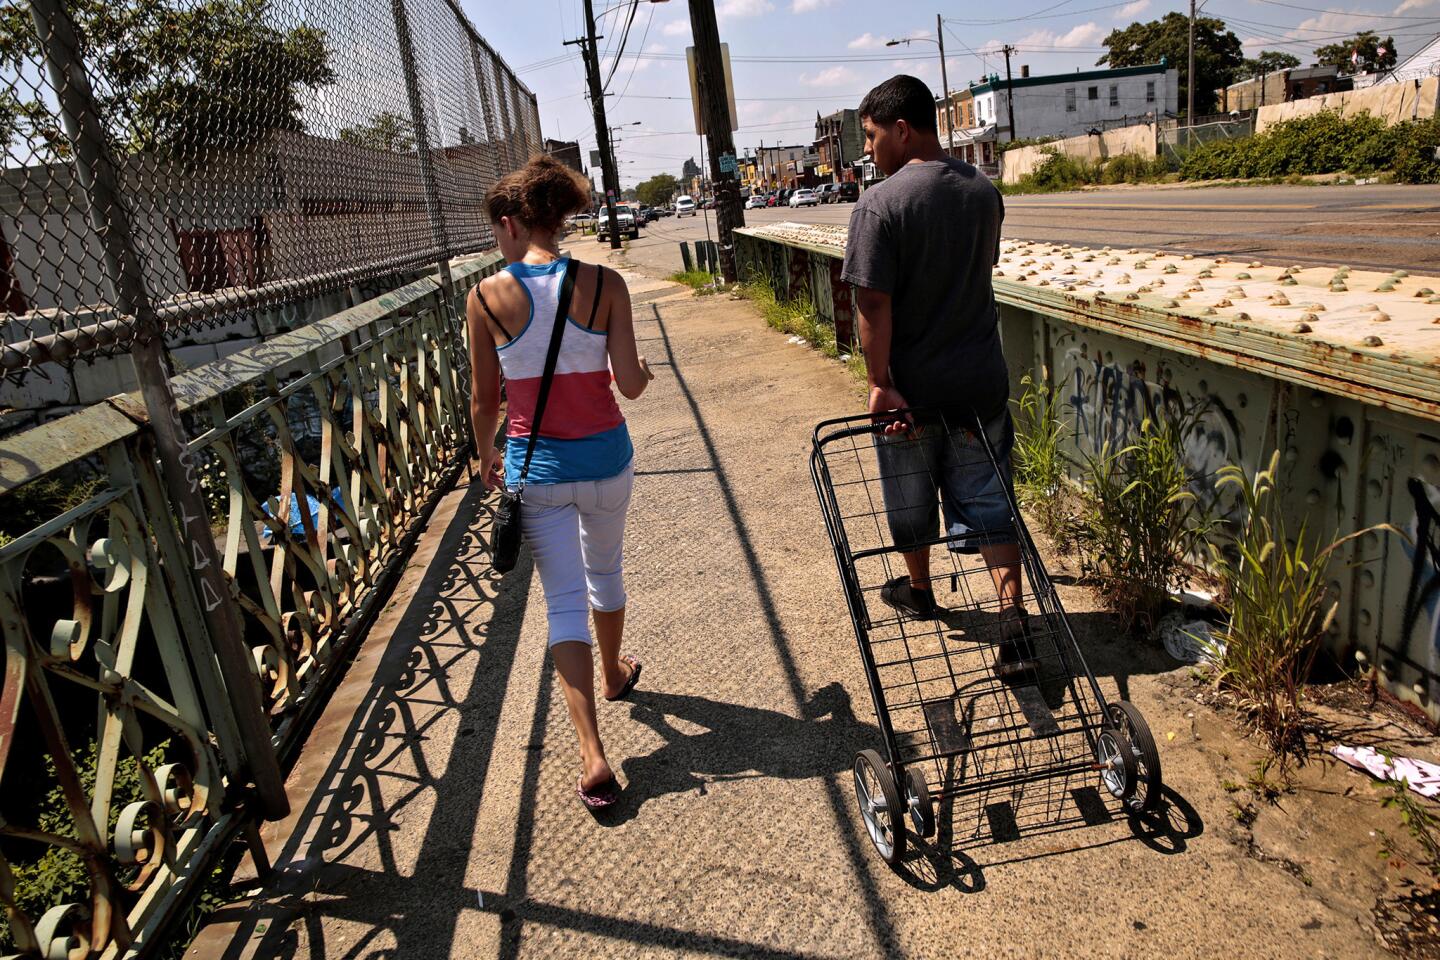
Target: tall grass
(1141,525)
(1278,607)
(1041,472)
(796,316)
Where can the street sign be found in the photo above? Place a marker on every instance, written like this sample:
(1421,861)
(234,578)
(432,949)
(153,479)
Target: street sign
(594,158)
(727,163)
(695,89)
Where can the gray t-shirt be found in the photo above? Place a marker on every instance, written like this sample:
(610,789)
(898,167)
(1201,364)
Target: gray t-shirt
(929,236)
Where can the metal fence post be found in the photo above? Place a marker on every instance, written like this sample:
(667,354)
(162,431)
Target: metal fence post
(100,179)
(422,143)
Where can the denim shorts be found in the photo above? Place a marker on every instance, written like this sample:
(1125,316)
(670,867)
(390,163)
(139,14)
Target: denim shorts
(948,460)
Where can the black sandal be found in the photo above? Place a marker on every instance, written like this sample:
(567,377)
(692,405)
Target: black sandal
(635,667)
(899,594)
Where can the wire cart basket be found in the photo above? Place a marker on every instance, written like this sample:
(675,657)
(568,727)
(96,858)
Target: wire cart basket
(955,719)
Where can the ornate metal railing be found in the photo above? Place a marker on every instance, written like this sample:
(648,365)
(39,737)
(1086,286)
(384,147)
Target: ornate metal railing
(124,771)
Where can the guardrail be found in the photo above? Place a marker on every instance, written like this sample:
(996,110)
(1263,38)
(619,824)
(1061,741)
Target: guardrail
(1338,369)
(320,452)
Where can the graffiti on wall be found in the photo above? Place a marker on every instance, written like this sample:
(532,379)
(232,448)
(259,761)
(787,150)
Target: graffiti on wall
(1111,400)
(1422,596)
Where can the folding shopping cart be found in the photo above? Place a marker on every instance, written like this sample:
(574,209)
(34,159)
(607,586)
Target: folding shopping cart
(953,718)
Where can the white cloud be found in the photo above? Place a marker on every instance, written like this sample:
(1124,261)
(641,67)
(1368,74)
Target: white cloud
(866,41)
(808,6)
(676,28)
(736,9)
(1132,9)
(829,77)
(641,64)
(1409,5)
(1084,35)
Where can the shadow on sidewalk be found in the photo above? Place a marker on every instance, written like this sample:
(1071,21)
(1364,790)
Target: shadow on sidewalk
(738,743)
(453,634)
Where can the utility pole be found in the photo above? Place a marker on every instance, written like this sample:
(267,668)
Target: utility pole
(1010,92)
(1190,75)
(608,176)
(945,83)
(715,110)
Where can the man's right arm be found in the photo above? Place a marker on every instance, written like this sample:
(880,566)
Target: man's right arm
(871,267)
(875,327)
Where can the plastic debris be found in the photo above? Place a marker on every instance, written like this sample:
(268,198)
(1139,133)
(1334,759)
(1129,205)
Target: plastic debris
(1420,776)
(1189,641)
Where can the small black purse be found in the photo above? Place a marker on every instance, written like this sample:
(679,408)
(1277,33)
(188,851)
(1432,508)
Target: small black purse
(505,536)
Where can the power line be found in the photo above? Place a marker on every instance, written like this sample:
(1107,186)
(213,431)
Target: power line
(1345,13)
(624,38)
(649,18)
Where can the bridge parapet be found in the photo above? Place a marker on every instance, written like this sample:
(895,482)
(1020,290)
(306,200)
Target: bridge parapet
(320,453)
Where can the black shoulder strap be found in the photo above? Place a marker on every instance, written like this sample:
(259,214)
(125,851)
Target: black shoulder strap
(599,283)
(491,313)
(562,311)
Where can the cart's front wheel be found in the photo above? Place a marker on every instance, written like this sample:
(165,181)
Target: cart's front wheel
(918,803)
(1116,759)
(880,806)
(1128,719)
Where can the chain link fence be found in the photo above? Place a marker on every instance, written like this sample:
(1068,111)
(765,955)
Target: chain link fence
(270,158)
(1175,140)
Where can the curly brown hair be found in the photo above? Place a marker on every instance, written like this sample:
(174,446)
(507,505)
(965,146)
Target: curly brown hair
(540,194)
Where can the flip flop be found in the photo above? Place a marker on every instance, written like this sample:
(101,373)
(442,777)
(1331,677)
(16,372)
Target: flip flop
(635,668)
(599,796)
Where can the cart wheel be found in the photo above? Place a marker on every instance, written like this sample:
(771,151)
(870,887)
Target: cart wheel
(1117,763)
(919,804)
(1128,718)
(880,806)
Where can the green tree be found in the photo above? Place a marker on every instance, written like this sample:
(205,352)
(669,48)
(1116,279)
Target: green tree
(1217,52)
(658,190)
(1363,53)
(385,131)
(175,80)
(1267,62)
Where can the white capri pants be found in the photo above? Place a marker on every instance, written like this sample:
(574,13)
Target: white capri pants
(576,533)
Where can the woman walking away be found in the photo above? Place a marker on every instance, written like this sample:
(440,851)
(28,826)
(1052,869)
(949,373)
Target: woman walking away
(578,472)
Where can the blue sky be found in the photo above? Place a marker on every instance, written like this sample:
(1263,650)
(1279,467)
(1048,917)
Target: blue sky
(824,54)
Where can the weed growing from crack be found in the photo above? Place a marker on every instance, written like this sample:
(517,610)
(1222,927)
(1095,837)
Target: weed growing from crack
(1422,825)
(1042,481)
(1141,524)
(1278,606)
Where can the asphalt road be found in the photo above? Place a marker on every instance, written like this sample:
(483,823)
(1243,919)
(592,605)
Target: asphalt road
(1383,227)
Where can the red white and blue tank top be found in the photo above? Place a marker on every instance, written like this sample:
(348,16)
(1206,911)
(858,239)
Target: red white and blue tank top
(583,434)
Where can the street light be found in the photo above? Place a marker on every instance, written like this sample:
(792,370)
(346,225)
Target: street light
(939,41)
(625,4)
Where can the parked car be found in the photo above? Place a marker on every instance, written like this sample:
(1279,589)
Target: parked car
(709,203)
(684,206)
(826,192)
(783,200)
(583,220)
(849,192)
(755,202)
(804,197)
(772,198)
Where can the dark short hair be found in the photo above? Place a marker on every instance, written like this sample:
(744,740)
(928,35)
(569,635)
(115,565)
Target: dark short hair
(901,97)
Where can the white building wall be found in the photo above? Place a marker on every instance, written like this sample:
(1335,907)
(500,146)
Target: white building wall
(1424,63)
(1044,110)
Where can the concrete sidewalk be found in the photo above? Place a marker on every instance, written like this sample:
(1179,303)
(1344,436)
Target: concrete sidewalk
(435,805)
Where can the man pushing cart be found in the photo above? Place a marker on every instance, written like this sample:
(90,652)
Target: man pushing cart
(990,691)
